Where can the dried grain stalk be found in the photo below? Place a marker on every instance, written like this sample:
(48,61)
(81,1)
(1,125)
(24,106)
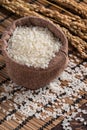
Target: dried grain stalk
(74,6)
(18,6)
(77,43)
(75,25)
(56,7)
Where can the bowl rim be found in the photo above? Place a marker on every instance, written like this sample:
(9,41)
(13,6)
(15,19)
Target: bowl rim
(13,25)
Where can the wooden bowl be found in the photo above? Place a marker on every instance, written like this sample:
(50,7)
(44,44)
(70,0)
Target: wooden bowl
(30,77)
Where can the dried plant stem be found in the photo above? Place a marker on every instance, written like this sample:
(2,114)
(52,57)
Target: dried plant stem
(75,25)
(74,6)
(77,43)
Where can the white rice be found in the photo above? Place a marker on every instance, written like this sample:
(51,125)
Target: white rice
(33,46)
(61,105)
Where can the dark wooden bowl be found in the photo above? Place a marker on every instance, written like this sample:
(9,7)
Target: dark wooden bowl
(30,77)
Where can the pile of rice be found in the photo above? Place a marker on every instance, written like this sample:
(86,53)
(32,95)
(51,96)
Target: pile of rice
(33,46)
(57,99)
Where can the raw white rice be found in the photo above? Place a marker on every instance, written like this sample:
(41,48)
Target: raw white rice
(33,46)
(60,104)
